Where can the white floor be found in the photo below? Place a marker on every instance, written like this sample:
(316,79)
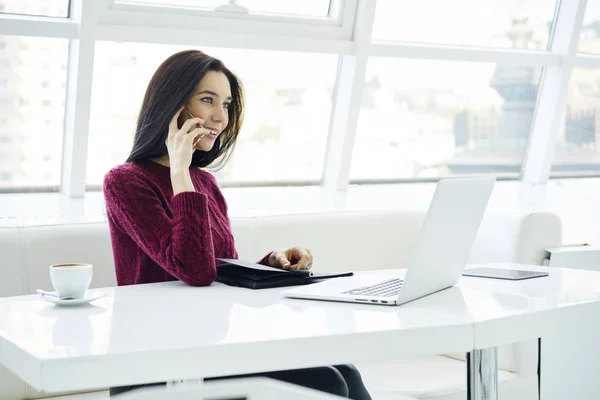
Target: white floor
(577,201)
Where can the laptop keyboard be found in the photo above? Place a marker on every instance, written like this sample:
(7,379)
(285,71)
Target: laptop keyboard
(388,288)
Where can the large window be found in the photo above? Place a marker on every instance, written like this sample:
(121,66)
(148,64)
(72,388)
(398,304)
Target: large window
(589,37)
(489,23)
(578,145)
(288,107)
(32,108)
(422,119)
(46,8)
(451,87)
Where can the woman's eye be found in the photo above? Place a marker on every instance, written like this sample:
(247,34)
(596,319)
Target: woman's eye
(207,100)
(226,105)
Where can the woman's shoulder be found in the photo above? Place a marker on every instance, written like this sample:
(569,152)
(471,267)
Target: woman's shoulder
(132,174)
(121,173)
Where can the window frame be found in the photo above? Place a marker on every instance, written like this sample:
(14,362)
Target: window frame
(121,13)
(349,36)
(2,12)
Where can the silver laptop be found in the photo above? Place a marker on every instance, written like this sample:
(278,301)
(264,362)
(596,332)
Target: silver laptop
(443,248)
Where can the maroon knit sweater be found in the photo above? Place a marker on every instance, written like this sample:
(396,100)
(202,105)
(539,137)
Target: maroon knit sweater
(158,237)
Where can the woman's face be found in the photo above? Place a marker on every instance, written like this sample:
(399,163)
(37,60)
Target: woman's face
(210,101)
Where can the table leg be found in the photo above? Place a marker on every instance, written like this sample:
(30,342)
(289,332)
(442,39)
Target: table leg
(539,369)
(482,374)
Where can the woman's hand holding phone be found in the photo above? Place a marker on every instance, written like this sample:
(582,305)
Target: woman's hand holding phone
(180,142)
(180,146)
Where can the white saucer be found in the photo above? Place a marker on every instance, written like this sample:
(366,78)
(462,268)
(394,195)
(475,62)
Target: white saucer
(90,296)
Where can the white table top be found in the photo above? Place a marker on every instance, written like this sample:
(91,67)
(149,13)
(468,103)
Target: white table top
(507,312)
(169,331)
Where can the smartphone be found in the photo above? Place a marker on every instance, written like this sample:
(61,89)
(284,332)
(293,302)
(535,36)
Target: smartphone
(499,273)
(192,116)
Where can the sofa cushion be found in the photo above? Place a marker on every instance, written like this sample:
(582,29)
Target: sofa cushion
(386,239)
(52,244)
(436,377)
(12,282)
(244,236)
(516,237)
(345,241)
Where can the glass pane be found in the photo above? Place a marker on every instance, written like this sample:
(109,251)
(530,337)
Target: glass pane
(522,24)
(589,36)
(46,8)
(422,119)
(33,75)
(288,106)
(307,8)
(578,144)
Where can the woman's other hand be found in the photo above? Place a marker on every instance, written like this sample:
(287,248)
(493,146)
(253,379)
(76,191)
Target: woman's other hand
(293,258)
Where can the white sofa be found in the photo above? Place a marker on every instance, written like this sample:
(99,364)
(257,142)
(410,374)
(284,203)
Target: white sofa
(339,241)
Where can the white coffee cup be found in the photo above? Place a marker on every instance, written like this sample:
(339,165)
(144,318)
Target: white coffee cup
(71,279)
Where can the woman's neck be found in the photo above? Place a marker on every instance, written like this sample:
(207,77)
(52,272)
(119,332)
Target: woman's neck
(164,161)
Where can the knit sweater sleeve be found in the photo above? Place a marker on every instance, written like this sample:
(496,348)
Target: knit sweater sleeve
(180,243)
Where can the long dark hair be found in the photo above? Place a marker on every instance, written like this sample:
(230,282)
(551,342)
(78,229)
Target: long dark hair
(169,89)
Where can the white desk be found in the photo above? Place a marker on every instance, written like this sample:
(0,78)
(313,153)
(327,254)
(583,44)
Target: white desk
(170,331)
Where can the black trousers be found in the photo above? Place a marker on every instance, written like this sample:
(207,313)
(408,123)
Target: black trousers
(341,380)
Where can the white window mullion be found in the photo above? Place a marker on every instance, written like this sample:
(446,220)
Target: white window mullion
(347,101)
(21,25)
(423,51)
(552,94)
(193,18)
(79,93)
(348,17)
(156,35)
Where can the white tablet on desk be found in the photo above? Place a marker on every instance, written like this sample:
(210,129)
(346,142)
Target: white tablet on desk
(500,273)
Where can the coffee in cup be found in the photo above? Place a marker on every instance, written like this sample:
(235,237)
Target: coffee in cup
(71,279)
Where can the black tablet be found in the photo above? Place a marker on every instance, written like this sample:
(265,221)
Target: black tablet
(499,273)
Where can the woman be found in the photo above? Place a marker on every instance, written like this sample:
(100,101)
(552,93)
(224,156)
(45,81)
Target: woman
(167,216)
